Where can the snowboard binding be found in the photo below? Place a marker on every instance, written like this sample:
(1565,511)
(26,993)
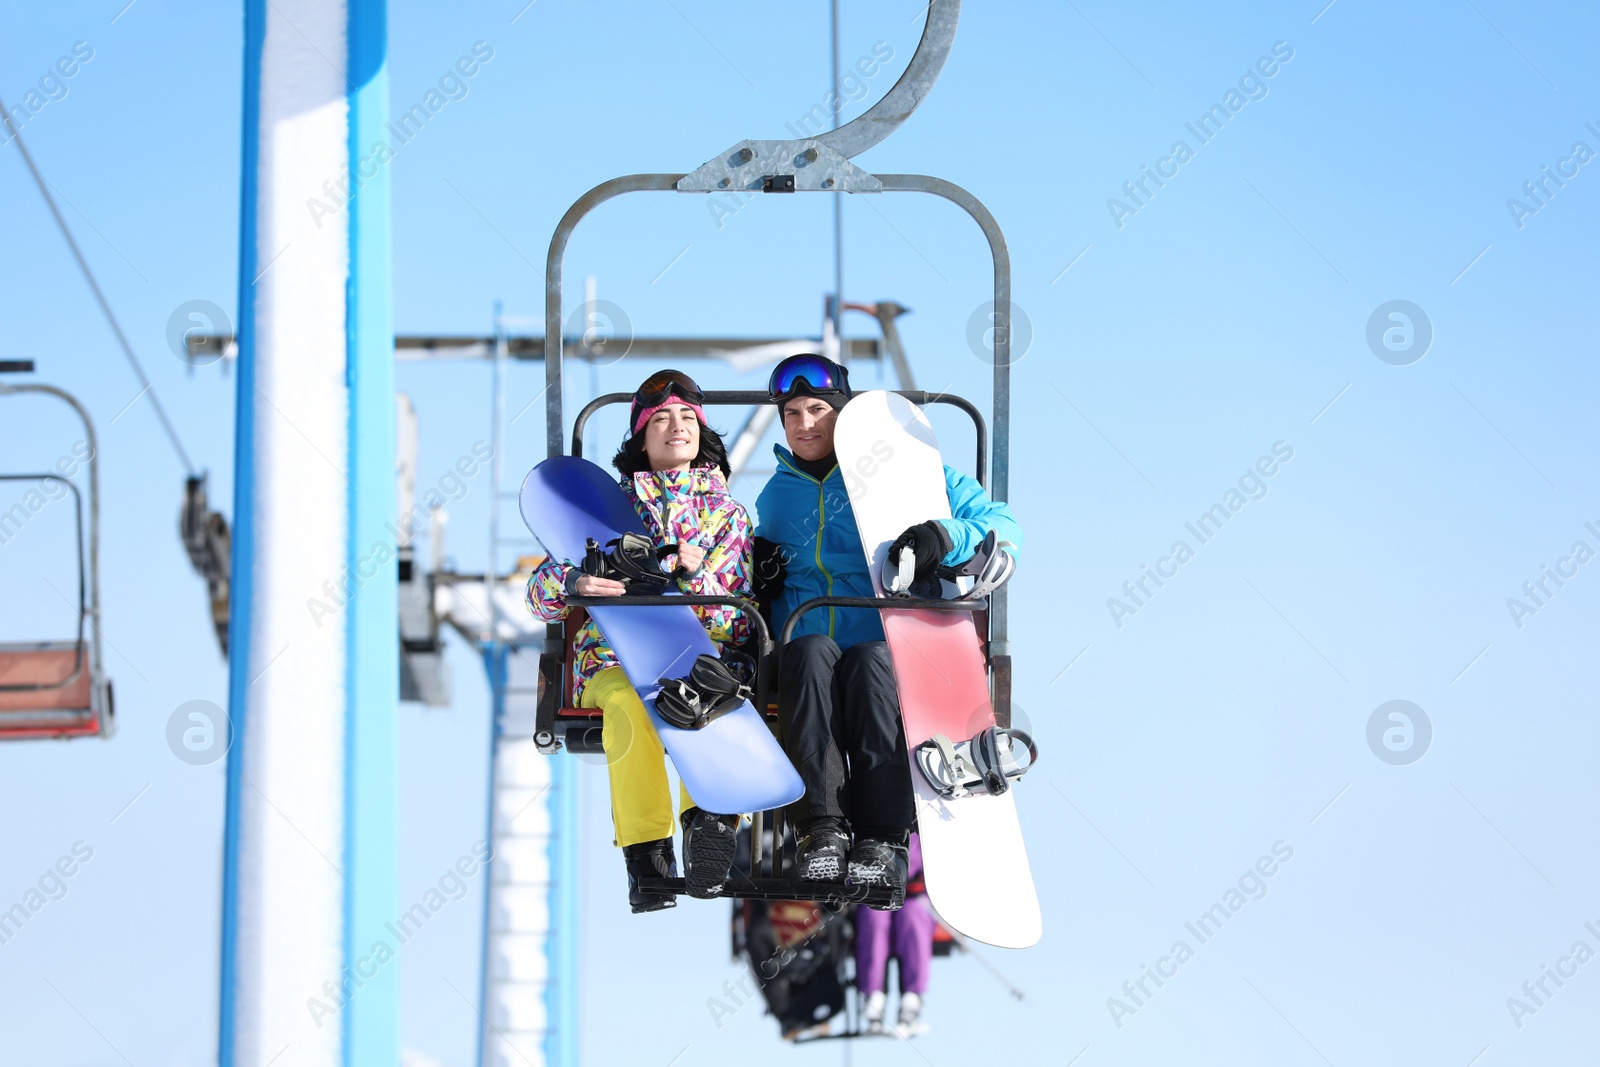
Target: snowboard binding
(713,687)
(989,568)
(986,765)
(632,560)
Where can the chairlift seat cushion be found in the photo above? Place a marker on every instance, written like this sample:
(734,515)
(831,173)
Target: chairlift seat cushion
(46,664)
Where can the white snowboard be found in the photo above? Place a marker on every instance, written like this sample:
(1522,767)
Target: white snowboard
(974,860)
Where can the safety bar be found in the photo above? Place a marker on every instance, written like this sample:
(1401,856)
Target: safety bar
(999,661)
(739,397)
(880,602)
(741,604)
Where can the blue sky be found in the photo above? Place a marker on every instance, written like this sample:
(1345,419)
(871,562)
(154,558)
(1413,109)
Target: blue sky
(1169,354)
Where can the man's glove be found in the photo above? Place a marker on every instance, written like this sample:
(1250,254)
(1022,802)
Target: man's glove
(929,541)
(768,570)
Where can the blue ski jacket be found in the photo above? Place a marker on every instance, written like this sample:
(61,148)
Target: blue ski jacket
(813,522)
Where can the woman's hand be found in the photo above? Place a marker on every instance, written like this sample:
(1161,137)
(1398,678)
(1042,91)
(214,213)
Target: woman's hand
(588,585)
(690,556)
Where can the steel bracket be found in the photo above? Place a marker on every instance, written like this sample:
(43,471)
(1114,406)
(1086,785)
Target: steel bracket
(747,166)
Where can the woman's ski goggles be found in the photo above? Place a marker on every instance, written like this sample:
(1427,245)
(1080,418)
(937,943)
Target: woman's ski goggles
(659,389)
(817,374)
(662,384)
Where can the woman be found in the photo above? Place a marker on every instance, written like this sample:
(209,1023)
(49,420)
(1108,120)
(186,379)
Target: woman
(674,470)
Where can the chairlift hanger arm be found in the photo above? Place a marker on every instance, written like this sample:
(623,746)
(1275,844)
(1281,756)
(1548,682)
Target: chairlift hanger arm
(886,116)
(823,163)
(554,342)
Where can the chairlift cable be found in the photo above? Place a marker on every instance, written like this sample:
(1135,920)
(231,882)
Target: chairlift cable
(966,946)
(83,264)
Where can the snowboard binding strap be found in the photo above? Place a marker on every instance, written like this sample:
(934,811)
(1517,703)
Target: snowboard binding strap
(714,687)
(989,568)
(631,559)
(985,765)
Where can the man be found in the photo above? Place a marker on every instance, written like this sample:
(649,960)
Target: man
(838,706)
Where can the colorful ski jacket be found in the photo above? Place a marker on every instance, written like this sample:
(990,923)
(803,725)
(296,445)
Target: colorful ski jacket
(813,522)
(677,507)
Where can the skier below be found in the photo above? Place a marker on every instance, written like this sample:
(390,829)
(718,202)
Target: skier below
(674,471)
(907,936)
(837,702)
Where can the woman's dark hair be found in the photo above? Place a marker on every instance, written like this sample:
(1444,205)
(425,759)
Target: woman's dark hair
(631,458)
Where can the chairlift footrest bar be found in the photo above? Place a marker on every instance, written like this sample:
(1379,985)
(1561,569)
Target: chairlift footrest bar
(738,888)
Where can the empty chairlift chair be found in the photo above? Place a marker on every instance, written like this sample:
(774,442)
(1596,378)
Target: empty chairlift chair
(58,687)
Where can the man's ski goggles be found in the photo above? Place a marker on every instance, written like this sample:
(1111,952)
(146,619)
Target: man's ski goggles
(817,374)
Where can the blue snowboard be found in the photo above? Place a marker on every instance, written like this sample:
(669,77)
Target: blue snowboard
(731,766)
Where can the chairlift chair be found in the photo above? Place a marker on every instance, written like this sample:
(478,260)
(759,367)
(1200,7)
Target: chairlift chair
(812,164)
(58,688)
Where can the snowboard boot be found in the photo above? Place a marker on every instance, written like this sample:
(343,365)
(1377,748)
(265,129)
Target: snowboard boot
(874,1012)
(910,1008)
(875,861)
(820,855)
(708,844)
(650,859)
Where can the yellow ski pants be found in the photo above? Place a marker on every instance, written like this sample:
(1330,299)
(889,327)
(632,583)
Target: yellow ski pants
(641,799)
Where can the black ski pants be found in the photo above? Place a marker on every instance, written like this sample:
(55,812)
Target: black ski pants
(839,713)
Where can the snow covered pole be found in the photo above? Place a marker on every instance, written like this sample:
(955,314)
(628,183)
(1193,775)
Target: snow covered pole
(308,955)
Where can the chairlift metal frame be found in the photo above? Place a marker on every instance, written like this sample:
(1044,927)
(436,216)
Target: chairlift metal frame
(82,703)
(813,164)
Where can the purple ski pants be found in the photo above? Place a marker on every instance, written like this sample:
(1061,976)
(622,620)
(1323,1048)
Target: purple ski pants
(907,935)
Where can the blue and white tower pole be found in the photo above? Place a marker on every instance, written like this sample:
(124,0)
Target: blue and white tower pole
(308,955)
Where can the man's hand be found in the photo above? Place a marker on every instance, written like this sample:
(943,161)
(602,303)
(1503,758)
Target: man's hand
(929,542)
(690,556)
(588,585)
(768,570)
